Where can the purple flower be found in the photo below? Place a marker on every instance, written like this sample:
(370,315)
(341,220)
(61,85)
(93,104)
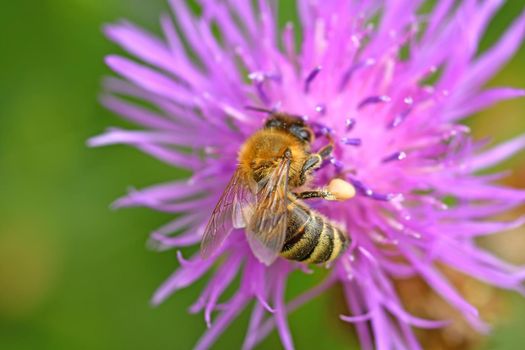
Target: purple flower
(392,93)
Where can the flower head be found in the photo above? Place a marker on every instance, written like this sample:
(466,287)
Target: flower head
(389,84)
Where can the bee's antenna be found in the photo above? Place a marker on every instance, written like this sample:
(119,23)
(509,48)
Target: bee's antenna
(259,109)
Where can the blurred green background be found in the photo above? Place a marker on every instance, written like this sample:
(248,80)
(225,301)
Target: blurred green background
(75,274)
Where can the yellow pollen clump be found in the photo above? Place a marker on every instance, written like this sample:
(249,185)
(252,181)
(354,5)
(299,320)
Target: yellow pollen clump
(341,189)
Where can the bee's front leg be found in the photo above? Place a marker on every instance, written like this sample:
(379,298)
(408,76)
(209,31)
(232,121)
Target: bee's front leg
(337,190)
(315,160)
(322,193)
(326,151)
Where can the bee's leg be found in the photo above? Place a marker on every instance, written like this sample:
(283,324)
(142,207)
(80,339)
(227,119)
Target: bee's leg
(326,151)
(322,193)
(316,160)
(337,190)
(313,162)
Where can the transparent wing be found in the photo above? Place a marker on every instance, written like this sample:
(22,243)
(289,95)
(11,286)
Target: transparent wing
(230,212)
(266,231)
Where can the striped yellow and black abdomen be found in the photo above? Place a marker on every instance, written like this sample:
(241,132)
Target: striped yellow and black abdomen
(310,237)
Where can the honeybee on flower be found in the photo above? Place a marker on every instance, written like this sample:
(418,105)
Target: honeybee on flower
(389,86)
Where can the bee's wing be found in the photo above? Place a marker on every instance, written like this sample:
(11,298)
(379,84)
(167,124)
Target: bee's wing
(229,213)
(266,231)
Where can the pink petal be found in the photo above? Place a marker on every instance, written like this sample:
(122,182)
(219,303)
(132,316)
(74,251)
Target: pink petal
(497,154)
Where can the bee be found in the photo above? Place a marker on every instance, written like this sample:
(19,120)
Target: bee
(259,197)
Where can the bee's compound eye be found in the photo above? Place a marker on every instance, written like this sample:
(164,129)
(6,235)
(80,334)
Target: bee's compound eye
(305,135)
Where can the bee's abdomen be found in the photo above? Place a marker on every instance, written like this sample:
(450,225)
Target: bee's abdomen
(310,237)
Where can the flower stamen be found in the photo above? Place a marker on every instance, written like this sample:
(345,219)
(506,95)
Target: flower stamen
(366,191)
(351,141)
(350,124)
(373,100)
(310,78)
(347,76)
(395,156)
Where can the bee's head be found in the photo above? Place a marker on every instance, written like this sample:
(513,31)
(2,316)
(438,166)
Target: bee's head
(293,124)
